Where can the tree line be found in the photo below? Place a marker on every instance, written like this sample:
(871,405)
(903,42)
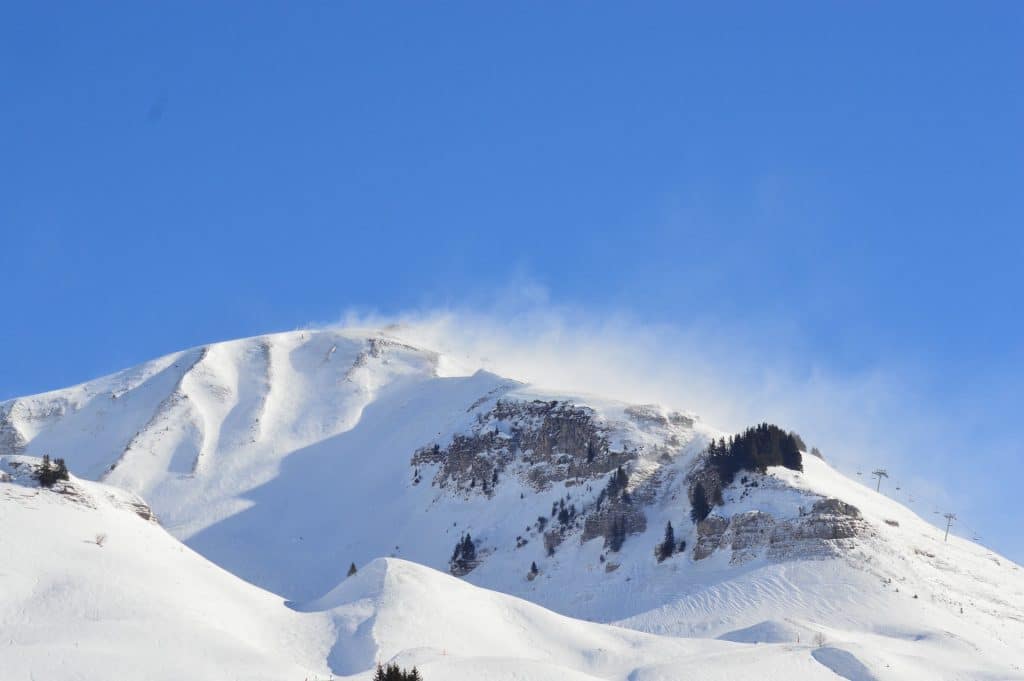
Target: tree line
(392,672)
(755,449)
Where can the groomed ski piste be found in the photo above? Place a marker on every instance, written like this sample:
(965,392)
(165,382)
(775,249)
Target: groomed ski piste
(272,463)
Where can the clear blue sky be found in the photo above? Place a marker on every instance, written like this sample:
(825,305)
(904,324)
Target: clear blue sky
(175,173)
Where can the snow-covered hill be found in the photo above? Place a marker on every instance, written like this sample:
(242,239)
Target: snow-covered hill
(93,589)
(284,458)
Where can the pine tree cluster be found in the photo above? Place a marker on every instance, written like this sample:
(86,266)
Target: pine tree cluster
(616,488)
(755,449)
(617,483)
(464,556)
(49,473)
(392,672)
(565,514)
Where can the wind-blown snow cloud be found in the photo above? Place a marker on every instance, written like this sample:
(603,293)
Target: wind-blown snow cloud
(718,373)
(730,376)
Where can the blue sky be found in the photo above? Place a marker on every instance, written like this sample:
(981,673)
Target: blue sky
(820,188)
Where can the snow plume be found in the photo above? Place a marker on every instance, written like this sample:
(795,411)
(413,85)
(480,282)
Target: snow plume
(709,370)
(730,376)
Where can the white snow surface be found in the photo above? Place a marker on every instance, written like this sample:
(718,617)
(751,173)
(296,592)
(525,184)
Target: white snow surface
(139,604)
(278,460)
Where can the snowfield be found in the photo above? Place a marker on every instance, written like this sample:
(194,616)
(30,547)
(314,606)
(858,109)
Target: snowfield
(272,463)
(139,604)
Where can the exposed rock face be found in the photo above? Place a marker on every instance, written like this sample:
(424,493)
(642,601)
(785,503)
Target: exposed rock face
(709,535)
(11,439)
(651,413)
(824,531)
(552,539)
(613,519)
(748,533)
(548,442)
(544,443)
(830,527)
(376,348)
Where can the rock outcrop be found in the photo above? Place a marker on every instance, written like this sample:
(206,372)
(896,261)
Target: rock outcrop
(546,441)
(824,531)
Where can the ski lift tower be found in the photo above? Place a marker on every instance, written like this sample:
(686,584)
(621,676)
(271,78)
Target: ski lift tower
(880,473)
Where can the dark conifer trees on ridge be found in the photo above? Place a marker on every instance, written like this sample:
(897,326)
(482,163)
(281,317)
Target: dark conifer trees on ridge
(49,474)
(755,449)
(392,672)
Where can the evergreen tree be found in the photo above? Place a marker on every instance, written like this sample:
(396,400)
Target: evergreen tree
(464,555)
(49,472)
(533,568)
(617,483)
(667,547)
(352,569)
(701,508)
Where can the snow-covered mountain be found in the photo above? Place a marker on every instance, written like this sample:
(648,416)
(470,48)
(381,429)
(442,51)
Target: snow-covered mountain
(284,458)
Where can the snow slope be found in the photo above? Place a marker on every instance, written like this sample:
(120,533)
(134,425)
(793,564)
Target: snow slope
(397,610)
(905,599)
(138,604)
(141,605)
(283,458)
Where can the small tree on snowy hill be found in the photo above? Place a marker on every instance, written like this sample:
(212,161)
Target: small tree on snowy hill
(667,547)
(352,570)
(464,556)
